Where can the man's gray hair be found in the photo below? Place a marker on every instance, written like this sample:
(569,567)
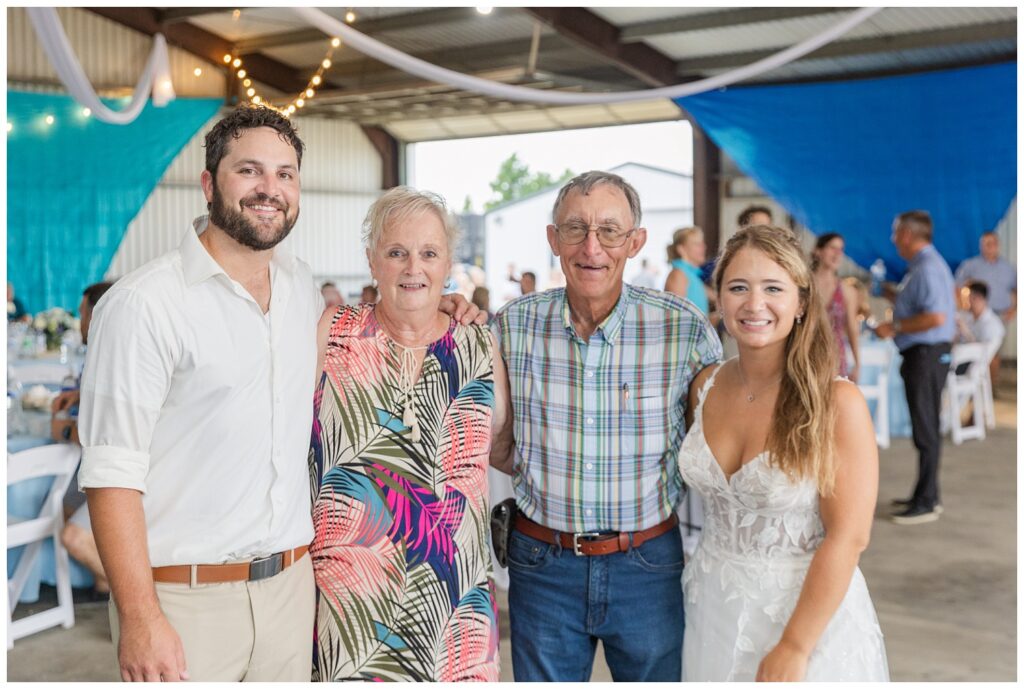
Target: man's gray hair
(399,203)
(583,183)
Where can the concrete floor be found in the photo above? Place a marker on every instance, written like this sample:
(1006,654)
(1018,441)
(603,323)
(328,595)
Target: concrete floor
(945,592)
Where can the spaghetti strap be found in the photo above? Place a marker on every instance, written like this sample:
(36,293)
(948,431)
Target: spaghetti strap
(703,394)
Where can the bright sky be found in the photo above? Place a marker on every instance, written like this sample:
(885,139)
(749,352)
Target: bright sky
(464,167)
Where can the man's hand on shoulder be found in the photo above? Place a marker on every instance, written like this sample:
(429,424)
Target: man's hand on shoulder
(463,311)
(150,650)
(65,400)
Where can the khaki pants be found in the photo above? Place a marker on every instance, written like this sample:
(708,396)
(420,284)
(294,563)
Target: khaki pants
(258,631)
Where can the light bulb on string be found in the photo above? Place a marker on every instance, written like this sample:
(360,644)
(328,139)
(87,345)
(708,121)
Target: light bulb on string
(316,80)
(251,92)
(299,103)
(10,126)
(484,9)
(241,74)
(247,83)
(256,100)
(291,109)
(198,71)
(227,58)
(49,120)
(350,16)
(237,62)
(86,112)
(326,63)
(310,93)
(236,15)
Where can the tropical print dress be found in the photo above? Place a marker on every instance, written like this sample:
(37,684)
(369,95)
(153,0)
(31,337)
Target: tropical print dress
(400,551)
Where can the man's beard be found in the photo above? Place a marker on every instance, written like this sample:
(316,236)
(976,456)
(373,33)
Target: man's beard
(243,230)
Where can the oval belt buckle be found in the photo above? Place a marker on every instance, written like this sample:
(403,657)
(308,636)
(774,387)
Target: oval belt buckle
(266,567)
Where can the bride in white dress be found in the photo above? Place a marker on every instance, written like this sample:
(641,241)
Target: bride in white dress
(783,456)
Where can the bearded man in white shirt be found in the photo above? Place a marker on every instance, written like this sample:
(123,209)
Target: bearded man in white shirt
(196,415)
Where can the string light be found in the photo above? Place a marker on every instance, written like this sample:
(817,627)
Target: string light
(10,126)
(484,9)
(350,17)
(307,93)
(198,71)
(236,14)
(227,58)
(86,112)
(49,120)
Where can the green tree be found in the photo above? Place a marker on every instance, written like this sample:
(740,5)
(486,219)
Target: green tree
(515,180)
(467,205)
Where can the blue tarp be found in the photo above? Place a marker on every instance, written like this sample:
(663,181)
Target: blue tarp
(848,156)
(74,186)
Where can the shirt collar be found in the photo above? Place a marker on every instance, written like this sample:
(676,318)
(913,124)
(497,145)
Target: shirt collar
(612,324)
(198,264)
(928,249)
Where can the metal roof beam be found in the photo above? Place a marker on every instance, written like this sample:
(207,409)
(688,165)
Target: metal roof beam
(206,45)
(182,14)
(602,38)
(719,20)
(976,33)
(371,27)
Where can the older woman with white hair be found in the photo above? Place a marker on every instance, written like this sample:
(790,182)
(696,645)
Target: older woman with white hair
(404,412)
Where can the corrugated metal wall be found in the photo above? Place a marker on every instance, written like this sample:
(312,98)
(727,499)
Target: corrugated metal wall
(341,170)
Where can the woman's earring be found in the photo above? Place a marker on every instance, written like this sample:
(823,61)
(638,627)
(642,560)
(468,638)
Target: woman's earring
(799,319)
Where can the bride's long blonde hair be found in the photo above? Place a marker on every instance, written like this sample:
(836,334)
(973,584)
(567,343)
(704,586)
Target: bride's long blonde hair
(801,438)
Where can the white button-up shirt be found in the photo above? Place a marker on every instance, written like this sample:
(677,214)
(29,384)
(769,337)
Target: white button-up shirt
(195,397)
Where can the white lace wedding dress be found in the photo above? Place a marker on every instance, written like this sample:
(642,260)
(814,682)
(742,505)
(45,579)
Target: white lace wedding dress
(741,585)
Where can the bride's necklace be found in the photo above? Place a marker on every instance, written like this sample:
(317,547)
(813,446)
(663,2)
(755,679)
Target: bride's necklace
(751,396)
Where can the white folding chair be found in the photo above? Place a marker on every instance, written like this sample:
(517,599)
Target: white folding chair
(59,461)
(877,356)
(968,385)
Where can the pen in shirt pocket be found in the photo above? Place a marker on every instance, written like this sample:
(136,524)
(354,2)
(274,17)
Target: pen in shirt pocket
(625,392)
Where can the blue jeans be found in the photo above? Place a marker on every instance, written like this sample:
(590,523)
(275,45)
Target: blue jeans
(560,604)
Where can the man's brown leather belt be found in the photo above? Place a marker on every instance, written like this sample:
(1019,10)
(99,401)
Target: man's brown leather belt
(254,570)
(594,543)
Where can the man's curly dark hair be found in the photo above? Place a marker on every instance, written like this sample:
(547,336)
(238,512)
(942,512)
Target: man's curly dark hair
(248,116)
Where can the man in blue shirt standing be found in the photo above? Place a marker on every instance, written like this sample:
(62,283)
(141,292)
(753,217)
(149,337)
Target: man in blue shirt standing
(923,326)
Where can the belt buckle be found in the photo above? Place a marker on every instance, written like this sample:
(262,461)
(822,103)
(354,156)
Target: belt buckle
(265,567)
(582,534)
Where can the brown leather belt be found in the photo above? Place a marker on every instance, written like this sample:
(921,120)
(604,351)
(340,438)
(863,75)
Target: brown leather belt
(254,570)
(591,542)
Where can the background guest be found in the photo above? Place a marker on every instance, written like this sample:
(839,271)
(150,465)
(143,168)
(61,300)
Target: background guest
(687,254)
(923,326)
(369,295)
(15,309)
(754,215)
(482,300)
(979,323)
(840,301)
(331,295)
(1000,277)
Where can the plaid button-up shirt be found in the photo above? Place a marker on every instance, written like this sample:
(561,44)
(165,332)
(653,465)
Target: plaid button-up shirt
(598,424)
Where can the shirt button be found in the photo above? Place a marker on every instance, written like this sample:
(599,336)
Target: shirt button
(590,420)
(590,374)
(590,465)
(589,512)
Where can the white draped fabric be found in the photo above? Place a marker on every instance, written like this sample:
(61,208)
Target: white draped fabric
(377,50)
(155,78)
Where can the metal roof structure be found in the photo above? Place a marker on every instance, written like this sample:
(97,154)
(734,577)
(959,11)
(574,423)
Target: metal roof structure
(569,48)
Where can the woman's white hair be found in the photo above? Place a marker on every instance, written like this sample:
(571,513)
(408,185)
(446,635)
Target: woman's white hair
(399,203)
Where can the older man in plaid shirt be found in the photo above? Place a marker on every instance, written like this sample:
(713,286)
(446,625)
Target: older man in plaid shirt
(599,373)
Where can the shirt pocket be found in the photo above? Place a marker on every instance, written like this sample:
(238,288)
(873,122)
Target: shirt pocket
(644,423)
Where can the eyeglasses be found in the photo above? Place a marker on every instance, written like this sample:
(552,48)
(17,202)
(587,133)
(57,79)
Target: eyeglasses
(608,235)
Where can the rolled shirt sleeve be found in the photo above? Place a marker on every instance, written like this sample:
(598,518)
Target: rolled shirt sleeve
(125,381)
